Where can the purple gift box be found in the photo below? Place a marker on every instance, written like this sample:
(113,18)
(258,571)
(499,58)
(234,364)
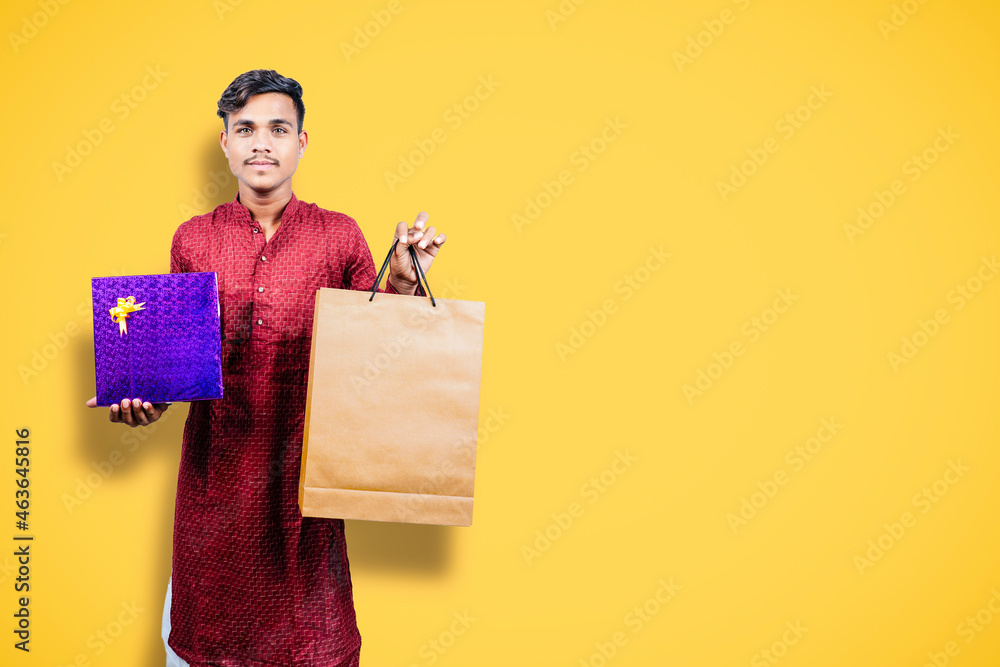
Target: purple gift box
(157,338)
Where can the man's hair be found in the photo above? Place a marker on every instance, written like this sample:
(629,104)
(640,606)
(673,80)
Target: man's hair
(257,82)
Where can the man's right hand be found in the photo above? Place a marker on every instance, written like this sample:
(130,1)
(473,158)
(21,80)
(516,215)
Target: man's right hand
(134,412)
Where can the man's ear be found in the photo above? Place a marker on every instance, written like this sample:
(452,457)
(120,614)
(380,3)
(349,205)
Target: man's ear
(224,140)
(303,142)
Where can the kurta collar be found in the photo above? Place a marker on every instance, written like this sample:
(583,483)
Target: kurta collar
(242,214)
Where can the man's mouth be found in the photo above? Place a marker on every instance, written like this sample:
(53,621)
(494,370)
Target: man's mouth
(262,164)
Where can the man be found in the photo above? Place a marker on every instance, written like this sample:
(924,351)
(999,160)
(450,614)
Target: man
(253,582)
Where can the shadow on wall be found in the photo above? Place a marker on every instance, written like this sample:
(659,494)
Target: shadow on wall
(399,547)
(106,454)
(217,184)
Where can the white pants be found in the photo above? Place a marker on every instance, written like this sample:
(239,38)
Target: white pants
(173,660)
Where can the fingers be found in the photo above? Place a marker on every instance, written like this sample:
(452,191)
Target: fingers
(139,413)
(126,412)
(421,220)
(92,402)
(402,233)
(154,410)
(136,412)
(428,235)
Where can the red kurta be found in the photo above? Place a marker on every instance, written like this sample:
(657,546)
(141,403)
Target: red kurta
(255,583)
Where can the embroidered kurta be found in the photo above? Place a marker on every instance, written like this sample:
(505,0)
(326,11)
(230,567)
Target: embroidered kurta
(254,583)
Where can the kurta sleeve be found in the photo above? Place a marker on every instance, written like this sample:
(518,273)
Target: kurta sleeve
(359,267)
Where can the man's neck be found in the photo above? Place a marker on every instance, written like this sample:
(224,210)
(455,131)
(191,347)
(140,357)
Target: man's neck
(266,208)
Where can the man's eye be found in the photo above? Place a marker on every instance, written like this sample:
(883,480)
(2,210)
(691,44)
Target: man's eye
(242,130)
(280,129)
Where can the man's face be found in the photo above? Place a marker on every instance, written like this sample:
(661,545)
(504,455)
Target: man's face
(263,143)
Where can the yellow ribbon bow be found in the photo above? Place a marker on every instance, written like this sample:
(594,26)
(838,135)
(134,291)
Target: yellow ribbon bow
(120,312)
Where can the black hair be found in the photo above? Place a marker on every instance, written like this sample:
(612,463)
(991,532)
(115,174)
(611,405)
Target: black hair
(257,82)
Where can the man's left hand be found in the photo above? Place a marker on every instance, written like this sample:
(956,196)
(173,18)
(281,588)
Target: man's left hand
(427,242)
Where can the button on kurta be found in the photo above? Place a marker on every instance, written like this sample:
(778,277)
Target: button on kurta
(263,258)
(260,321)
(260,289)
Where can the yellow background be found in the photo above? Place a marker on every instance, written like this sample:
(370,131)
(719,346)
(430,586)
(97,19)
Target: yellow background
(563,417)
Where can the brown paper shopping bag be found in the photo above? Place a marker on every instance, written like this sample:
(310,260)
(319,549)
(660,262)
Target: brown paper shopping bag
(392,407)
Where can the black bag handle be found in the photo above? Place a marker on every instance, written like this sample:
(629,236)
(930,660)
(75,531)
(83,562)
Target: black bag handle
(416,264)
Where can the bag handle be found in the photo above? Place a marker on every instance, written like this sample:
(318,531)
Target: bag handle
(416,264)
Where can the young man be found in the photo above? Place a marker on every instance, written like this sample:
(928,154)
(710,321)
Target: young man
(253,582)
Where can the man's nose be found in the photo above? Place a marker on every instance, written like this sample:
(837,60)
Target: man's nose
(262,142)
